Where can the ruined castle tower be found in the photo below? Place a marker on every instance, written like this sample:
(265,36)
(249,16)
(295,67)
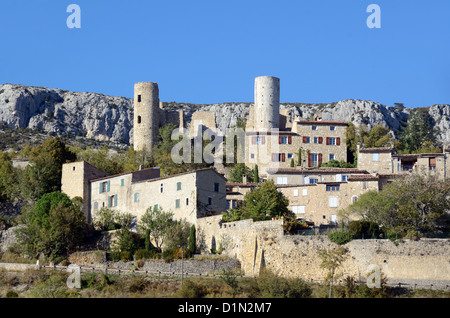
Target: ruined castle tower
(146,115)
(267,103)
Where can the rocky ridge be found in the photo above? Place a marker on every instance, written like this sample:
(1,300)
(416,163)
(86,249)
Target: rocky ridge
(108,118)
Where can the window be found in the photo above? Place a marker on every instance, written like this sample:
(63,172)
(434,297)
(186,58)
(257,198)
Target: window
(289,155)
(161,189)
(313,127)
(95,206)
(332,141)
(258,140)
(313,180)
(304,192)
(178,186)
(332,128)
(136,197)
(333,202)
(187,201)
(282,180)
(278,157)
(104,187)
(375,157)
(333,187)
(209,201)
(216,187)
(354,199)
(344,177)
(316,140)
(112,201)
(283,140)
(432,163)
(73,168)
(139,120)
(252,156)
(298,209)
(177,203)
(306,140)
(331,156)
(295,193)
(139,98)
(314,159)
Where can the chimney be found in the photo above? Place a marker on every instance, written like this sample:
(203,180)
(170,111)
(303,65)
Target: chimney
(244,178)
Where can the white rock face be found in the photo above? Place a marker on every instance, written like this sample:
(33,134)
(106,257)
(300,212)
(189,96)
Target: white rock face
(108,118)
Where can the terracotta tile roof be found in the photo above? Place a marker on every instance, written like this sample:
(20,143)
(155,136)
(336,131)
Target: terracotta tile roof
(362,178)
(321,122)
(122,174)
(315,170)
(262,133)
(376,149)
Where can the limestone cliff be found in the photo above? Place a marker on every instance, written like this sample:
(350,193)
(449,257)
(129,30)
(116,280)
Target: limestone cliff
(108,118)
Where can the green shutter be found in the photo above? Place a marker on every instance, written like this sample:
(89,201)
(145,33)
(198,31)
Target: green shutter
(122,182)
(107,186)
(100,187)
(115,200)
(109,201)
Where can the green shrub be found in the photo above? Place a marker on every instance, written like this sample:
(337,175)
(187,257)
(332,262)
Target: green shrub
(96,281)
(340,237)
(271,285)
(363,229)
(190,289)
(145,254)
(12,294)
(126,256)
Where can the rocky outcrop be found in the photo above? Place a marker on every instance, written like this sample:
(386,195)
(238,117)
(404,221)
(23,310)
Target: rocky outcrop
(108,118)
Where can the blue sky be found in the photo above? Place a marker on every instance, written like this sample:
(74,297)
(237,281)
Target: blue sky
(207,51)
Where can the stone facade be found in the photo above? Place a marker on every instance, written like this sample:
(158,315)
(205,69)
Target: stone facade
(187,195)
(146,115)
(75,182)
(389,165)
(312,175)
(262,244)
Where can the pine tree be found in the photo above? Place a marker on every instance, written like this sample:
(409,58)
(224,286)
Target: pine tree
(256,174)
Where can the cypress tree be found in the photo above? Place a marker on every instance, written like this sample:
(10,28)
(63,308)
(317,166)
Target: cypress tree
(192,239)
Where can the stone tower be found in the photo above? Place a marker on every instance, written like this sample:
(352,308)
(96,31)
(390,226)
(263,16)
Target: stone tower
(146,115)
(267,103)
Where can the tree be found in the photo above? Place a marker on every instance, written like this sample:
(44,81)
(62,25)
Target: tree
(54,227)
(414,204)
(43,175)
(157,221)
(378,136)
(105,219)
(238,171)
(7,176)
(299,157)
(192,240)
(331,261)
(265,202)
(418,131)
(256,174)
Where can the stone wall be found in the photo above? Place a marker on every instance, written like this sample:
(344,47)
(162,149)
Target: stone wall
(263,244)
